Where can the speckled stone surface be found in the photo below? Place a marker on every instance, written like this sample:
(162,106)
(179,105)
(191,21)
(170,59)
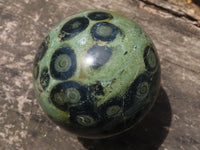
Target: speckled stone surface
(174,121)
(96,74)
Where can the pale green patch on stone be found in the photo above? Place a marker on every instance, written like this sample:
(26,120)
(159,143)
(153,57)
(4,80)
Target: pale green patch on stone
(85,120)
(142,90)
(35,71)
(104,31)
(70,95)
(113,110)
(61,98)
(62,63)
(76,25)
(73,95)
(151,58)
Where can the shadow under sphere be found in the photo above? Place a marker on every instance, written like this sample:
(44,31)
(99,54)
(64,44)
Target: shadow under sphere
(149,134)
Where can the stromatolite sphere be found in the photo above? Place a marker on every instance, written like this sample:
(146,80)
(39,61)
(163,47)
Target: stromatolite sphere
(96,74)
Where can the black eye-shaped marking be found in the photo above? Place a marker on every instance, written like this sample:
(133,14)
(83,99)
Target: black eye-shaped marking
(150,59)
(84,115)
(63,63)
(99,16)
(73,27)
(111,108)
(42,50)
(68,93)
(36,71)
(105,31)
(44,78)
(139,90)
(97,56)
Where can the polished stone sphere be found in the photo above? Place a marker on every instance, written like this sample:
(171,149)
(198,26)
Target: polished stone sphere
(96,74)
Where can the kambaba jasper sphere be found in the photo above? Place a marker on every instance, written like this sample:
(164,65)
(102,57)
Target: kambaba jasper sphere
(96,74)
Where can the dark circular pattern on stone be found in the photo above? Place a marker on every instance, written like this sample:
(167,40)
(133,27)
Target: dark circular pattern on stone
(100,55)
(104,31)
(129,101)
(103,109)
(72,68)
(99,16)
(149,53)
(44,78)
(59,94)
(42,50)
(74,27)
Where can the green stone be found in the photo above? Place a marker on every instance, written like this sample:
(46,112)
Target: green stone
(101,71)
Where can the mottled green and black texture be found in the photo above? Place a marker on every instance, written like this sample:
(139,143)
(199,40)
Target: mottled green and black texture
(96,74)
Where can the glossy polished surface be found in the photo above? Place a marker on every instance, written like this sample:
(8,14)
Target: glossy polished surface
(96,74)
